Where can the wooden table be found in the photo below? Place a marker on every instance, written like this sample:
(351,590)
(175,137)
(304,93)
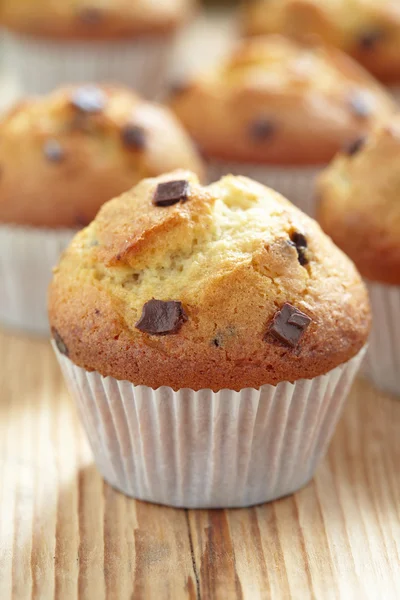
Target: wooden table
(65,534)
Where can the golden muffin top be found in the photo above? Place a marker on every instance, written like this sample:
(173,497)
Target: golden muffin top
(276,101)
(360,202)
(223,286)
(93,19)
(62,156)
(369,30)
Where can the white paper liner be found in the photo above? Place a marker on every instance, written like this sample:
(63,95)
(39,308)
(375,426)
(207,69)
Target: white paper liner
(27,256)
(382,364)
(42,65)
(297,184)
(205,449)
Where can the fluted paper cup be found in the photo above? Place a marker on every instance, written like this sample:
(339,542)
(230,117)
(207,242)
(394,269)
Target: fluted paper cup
(297,184)
(382,364)
(205,449)
(27,256)
(43,65)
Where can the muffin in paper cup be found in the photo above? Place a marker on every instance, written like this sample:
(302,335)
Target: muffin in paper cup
(278,111)
(382,364)
(41,65)
(208,449)
(208,342)
(360,209)
(62,156)
(297,184)
(27,256)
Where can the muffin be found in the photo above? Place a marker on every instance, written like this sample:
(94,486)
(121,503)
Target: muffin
(368,30)
(360,209)
(276,110)
(209,336)
(61,158)
(50,43)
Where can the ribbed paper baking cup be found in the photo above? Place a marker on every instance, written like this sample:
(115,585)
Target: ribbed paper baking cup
(27,256)
(382,364)
(297,184)
(205,449)
(42,65)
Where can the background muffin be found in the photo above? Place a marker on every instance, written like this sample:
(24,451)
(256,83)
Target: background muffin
(276,103)
(369,30)
(179,287)
(61,158)
(52,43)
(360,210)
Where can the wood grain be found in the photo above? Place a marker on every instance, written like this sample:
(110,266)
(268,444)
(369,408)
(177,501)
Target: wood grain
(65,534)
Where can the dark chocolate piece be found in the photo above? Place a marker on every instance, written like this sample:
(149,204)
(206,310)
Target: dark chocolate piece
(178,87)
(133,137)
(262,129)
(360,105)
(53,151)
(81,220)
(171,192)
(160,317)
(61,345)
(299,241)
(89,99)
(90,15)
(289,325)
(354,146)
(369,39)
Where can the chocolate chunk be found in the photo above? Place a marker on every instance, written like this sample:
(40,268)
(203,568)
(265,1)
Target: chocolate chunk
(262,129)
(354,146)
(299,241)
(90,15)
(160,317)
(171,192)
(59,342)
(369,39)
(81,220)
(89,99)
(289,325)
(178,87)
(53,151)
(360,105)
(133,137)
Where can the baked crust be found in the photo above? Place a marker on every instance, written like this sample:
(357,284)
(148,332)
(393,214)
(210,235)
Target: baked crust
(367,30)
(359,204)
(226,255)
(97,20)
(59,164)
(306,93)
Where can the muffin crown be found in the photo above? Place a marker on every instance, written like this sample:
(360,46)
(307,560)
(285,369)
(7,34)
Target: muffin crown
(64,155)
(369,30)
(97,19)
(359,202)
(224,286)
(276,101)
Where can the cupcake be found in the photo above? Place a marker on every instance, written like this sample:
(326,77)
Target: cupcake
(360,209)
(56,42)
(61,158)
(209,336)
(276,111)
(367,30)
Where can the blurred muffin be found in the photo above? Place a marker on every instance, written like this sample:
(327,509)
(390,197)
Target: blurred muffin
(193,312)
(276,109)
(360,210)
(52,43)
(61,158)
(369,30)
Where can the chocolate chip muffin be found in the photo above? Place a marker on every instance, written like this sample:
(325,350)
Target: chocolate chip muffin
(61,158)
(368,30)
(277,110)
(359,208)
(52,43)
(176,292)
